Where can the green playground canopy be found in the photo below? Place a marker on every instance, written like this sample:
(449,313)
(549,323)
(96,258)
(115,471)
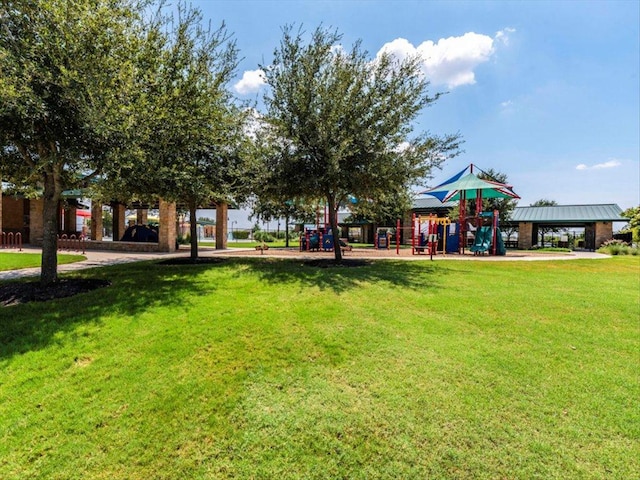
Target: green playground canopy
(458,186)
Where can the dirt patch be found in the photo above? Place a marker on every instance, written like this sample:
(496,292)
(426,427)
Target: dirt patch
(331,263)
(192,261)
(24,292)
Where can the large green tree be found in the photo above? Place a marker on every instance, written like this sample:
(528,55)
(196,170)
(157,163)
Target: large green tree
(633,214)
(195,133)
(66,73)
(340,123)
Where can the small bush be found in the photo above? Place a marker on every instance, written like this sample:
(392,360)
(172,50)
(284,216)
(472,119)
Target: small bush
(618,247)
(261,236)
(240,235)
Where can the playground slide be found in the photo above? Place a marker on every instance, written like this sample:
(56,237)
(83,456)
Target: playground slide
(500,248)
(483,240)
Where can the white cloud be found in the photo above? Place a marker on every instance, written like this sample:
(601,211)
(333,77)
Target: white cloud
(251,82)
(611,163)
(503,35)
(451,61)
(506,104)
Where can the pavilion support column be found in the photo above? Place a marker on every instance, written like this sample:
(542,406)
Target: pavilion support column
(70,220)
(1,196)
(118,220)
(221,226)
(525,235)
(604,232)
(167,231)
(36,221)
(142,216)
(96,221)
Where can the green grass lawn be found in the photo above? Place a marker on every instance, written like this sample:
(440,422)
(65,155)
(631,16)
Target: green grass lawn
(268,369)
(16,261)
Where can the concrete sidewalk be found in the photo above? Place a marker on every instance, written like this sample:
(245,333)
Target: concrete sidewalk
(95,258)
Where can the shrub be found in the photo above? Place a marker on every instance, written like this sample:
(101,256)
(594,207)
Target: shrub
(240,235)
(261,236)
(618,247)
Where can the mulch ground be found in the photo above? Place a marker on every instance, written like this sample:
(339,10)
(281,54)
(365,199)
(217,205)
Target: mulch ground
(24,292)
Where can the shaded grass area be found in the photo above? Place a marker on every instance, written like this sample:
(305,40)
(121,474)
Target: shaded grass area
(264,368)
(16,261)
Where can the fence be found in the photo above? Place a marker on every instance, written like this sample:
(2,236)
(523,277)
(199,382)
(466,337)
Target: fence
(72,243)
(11,240)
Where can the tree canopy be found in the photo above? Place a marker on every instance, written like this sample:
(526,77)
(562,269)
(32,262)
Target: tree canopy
(340,124)
(66,74)
(193,134)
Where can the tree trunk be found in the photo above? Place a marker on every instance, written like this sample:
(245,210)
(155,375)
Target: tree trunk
(193,230)
(333,221)
(51,201)
(286,231)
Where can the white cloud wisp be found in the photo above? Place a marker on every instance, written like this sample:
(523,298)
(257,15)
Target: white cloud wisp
(451,61)
(612,163)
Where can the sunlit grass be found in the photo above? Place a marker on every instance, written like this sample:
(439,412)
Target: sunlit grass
(261,368)
(15,261)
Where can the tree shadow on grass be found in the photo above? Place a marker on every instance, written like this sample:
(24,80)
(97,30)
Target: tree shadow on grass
(134,288)
(326,275)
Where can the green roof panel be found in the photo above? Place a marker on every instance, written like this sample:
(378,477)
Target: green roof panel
(568,213)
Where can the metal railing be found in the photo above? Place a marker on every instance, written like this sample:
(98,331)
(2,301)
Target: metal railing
(72,242)
(11,240)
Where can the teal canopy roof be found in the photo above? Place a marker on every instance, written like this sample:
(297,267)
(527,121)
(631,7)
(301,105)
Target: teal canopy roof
(569,214)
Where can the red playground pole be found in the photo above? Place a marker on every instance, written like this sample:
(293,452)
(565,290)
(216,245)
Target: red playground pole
(413,234)
(398,237)
(496,214)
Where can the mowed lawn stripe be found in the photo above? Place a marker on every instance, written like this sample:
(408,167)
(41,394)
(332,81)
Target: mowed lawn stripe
(272,369)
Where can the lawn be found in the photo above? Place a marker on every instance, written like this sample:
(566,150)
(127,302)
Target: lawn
(263,368)
(16,261)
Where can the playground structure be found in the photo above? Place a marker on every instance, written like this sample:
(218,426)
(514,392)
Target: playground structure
(462,187)
(488,238)
(382,239)
(320,239)
(427,231)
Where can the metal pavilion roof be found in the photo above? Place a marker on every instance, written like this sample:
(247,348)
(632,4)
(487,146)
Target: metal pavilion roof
(568,214)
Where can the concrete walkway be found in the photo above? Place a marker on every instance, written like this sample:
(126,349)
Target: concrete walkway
(102,258)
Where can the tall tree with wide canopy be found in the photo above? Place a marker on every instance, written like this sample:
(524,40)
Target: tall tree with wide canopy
(340,123)
(66,73)
(195,138)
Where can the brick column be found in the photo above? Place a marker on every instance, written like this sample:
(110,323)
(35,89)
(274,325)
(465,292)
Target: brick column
(118,220)
(142,216)
(525,235)
(96,221)
(604,232)
(70,220)
(36,225)
(167,230)
(221,226)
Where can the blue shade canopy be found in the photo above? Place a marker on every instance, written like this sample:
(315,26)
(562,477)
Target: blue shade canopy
(457,188)
(441,194)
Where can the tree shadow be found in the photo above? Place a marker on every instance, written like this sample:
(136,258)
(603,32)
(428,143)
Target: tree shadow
(325,275)
(133,290)
(137,287)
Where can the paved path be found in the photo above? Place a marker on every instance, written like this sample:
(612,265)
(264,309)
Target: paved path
(103,258)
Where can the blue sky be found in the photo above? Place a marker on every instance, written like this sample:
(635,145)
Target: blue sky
(545,92)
